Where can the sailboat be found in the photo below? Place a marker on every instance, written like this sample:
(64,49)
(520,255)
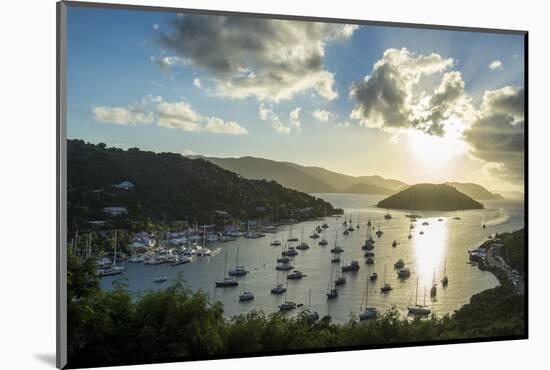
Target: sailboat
(287,305)
(419,309)
(387,216)
(275,242)
(203,251)
(433,290)
(386,287)
(358,222)
(369,223)
(113,270)
(303,245)
(337,249)
(369,241)
(332,292)
(379,232)
(323,241)
(445,280)
(456,217)
(290,237)
(279,288)
(340,280)
(227,281)
(245,296)
(370,312)
(312,315)
(238,270)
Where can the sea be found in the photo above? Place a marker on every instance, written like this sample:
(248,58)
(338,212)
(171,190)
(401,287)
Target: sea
(441,249)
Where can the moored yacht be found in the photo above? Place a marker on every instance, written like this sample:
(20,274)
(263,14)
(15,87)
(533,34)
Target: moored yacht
(246,296)
(352,266)
(279,289)
(287,306)
(404,272)
(238,270)
(419,309)
(295,275)
(160,279)
(369,312)
(399,264)
(227,281)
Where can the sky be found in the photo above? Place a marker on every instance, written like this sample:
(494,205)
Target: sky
(416,105)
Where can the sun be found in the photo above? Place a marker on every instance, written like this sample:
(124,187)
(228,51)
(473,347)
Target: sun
(435,150)
(430,149)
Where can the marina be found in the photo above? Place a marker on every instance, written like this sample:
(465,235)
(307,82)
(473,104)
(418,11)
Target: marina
(440,253)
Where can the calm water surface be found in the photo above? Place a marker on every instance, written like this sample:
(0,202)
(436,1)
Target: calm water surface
(425,255)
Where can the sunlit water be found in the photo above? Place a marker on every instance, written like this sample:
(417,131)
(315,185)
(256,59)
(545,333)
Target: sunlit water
(447,240)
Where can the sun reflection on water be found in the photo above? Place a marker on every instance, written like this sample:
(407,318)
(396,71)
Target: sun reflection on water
(429,249)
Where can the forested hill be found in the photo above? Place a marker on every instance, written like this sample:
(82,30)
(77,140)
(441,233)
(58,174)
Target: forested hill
(435,197)
(169,186)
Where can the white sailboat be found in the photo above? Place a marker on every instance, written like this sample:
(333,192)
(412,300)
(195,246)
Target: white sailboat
(227,281)
(114,269)
(386,287)
(238,270)
(419,309)
(245,295)
(445,280)
(369,312)
(433,290)
(312,315)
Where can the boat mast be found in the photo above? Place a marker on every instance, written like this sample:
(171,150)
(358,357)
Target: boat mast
(416,293)
(367,297)
(225,266)
(114,258)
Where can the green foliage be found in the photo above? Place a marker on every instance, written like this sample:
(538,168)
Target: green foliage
(513,250)
(170,187)
(436,197)
(107,328)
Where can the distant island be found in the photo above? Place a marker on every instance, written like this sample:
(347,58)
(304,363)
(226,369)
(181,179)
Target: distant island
(434,197)
(113,184)
(475,191)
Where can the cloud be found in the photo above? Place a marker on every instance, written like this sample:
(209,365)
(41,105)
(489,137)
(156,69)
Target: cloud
(270,60)
(269,115)
(294,117)
(178,115)
(218,126)
(322,115)
(197,82)
(156,26)
(344,124)
(131,115)
(395,96)
(175,115)
(187,152)
(167,62)
(497,134)
(496,64)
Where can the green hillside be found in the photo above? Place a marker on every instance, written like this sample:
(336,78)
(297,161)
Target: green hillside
(169,186)
(434,197)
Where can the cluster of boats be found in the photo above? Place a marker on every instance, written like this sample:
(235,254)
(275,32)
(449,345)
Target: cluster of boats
(164,253)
